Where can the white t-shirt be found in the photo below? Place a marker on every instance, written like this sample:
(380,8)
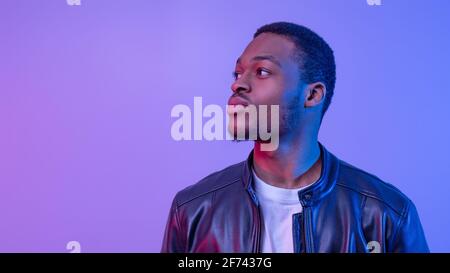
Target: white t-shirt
(277,205)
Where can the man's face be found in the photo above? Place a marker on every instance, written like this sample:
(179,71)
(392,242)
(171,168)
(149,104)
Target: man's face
(267,74)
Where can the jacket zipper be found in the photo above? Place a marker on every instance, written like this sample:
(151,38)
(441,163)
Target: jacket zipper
(297,227)
(308,230)
(258,232)
(256,241)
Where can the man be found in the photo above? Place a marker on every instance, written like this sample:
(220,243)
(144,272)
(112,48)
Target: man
(298,197)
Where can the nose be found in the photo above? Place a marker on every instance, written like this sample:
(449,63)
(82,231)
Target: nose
(240,86)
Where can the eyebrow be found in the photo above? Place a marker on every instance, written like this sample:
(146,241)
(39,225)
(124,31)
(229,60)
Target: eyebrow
(262,58)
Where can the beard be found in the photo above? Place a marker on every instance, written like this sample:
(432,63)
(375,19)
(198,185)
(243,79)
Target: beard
(290,115)
(244,126)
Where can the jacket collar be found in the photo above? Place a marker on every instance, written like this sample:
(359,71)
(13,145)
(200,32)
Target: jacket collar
(310,195)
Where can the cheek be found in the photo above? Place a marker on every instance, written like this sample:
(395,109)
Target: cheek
(268,92)
(292,103)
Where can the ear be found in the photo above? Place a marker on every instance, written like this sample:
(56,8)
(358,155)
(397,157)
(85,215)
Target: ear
(315,94)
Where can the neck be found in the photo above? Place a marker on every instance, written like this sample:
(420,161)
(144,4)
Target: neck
(296,163)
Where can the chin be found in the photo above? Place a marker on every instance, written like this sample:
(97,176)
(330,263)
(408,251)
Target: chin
(242,130)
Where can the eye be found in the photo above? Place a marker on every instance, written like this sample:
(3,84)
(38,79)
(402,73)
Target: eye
(262,72)
(236,75)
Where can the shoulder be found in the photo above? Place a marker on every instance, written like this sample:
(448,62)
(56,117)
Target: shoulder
(371,187)
(219,180)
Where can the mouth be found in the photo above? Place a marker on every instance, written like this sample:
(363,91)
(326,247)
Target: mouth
(234,100)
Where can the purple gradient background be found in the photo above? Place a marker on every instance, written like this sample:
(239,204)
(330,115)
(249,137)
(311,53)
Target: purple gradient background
(86,93)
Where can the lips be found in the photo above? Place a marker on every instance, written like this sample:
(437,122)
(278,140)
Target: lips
(238,101)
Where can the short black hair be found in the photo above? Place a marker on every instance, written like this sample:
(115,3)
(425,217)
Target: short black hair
(315,56)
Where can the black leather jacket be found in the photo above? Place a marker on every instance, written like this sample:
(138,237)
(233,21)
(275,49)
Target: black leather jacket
(347,210)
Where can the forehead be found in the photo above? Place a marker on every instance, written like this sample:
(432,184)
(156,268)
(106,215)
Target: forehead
(271,44)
